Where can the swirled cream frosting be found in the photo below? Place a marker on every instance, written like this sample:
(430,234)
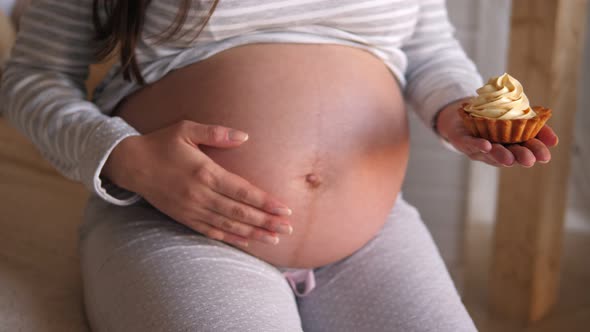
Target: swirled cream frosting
(501,98)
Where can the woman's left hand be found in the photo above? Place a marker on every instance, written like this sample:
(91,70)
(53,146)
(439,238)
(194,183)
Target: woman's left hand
(450,126)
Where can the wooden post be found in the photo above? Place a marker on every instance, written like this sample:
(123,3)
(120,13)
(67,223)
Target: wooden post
(545,52)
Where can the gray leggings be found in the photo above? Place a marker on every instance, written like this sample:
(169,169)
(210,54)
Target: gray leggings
(143,271)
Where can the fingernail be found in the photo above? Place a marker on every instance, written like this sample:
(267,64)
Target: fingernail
(269,239)
(219,236)
(241,243)
(238,136)
(483,151)
(284,229)
(543,161)
(282,211)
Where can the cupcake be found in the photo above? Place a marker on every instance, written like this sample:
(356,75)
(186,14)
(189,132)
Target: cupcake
(501,112)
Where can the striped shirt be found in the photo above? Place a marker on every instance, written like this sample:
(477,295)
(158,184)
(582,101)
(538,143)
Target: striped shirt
(43,84)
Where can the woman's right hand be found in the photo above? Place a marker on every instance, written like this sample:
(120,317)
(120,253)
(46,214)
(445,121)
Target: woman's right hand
(167,168)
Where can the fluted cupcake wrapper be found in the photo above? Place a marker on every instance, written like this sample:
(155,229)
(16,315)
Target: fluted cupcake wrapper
(506,131)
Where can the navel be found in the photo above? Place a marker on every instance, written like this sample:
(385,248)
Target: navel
(313,180)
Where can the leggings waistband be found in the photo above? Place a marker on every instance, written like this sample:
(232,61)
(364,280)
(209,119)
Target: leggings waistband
(302,281)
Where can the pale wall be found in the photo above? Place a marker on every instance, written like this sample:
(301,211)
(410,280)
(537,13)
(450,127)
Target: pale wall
(438,180)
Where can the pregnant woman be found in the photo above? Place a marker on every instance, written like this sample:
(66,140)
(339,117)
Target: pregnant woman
(246,158)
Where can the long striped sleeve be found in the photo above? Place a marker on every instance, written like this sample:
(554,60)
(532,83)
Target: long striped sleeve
(439,72)
(43,95)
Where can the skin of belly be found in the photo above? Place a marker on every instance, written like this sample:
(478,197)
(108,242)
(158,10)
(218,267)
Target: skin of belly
(328,136)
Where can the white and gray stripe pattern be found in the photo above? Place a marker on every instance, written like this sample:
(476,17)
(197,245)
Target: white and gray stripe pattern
(43,84)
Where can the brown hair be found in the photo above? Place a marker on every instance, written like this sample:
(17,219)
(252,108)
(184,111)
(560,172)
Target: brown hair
(123,29)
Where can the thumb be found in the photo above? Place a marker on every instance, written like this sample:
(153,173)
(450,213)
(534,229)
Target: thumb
(214,135)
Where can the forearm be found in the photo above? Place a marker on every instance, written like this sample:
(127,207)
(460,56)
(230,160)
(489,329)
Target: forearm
(44,96)
(439,72)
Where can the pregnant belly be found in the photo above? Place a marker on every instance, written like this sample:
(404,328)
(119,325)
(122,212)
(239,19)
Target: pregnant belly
(328,137)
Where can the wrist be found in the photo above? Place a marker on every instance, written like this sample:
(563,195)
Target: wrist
(118,167)
(446,118)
